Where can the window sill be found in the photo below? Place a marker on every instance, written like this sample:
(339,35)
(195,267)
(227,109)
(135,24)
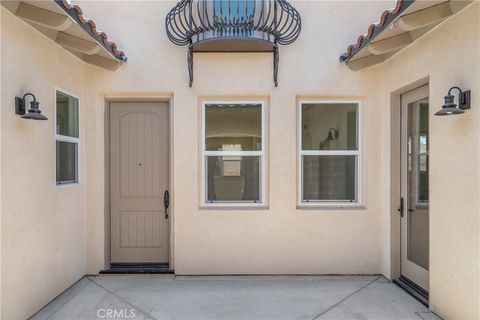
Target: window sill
(331,206)
(233,206)
(67,185)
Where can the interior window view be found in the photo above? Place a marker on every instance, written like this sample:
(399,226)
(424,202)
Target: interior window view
(329,152)
(233,152)
(67,139)
(422,157)
(418,231)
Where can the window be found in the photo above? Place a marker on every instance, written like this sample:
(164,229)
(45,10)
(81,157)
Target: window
(67,138)
(233,153)
(422,145)
(329,152)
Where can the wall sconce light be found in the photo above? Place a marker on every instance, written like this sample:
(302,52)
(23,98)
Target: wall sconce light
(332,134)
(33,113)
(450,108)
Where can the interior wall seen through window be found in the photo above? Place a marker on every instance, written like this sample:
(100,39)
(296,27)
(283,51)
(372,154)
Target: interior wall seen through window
(327,128)
(67,138)
(233,152)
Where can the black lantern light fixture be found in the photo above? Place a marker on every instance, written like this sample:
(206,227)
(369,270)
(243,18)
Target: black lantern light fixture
(33,113)
(450,108)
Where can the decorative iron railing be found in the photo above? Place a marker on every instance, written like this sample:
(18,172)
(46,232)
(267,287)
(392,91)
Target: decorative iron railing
(233,26)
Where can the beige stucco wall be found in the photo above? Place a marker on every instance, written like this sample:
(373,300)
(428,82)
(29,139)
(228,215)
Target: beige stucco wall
(1,69)
(59,233)
(277,240)
(448,56)
(43,235)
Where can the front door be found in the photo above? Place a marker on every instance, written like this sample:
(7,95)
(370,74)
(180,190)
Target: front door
(138,179)
(414,187)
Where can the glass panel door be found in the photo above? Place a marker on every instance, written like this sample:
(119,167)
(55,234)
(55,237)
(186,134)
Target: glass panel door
(415,187)
(417,216)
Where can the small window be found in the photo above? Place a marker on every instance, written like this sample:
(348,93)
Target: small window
(67,138)
(329,152)
(233,152)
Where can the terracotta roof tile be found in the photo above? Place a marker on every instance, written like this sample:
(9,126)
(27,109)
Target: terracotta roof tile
(90,27)
(387,17)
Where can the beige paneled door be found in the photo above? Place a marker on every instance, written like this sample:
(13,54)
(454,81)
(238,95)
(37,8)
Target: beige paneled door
(415,187)
(139,178)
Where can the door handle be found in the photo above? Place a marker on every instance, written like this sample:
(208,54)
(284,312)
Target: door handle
(401,208)
(166,202)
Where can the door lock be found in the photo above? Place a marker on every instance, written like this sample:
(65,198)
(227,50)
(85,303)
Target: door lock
(166,202)
(401,208)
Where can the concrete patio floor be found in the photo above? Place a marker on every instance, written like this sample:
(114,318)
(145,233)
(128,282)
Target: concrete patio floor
(239,297)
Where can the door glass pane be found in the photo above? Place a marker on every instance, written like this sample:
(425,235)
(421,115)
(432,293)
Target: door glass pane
(329,178)
(233,178)
(417,233)
(67,115)
(422,190)
(233,127)
(66,162)
(329,126)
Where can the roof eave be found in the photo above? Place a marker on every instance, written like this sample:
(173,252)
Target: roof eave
(65,24)
(89,26)
(387,17)
(398,28)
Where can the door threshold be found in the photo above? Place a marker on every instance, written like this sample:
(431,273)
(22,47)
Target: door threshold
(413,289)
(138,268)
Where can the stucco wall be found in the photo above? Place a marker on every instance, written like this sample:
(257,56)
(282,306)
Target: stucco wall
(454,158)
(1,90)
(277,240)
(43,244)
(58,234)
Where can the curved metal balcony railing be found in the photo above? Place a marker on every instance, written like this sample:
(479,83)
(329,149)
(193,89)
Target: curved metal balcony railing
(233,26)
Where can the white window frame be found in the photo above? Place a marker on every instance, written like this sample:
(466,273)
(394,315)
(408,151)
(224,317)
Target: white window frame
(205,154)
(62,138)
(301,203)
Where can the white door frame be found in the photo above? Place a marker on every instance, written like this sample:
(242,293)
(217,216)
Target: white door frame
(408,268)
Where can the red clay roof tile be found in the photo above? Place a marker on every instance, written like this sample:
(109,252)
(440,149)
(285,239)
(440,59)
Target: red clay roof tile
(374,29)
(90,26)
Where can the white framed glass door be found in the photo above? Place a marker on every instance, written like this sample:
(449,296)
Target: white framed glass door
(415,187)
